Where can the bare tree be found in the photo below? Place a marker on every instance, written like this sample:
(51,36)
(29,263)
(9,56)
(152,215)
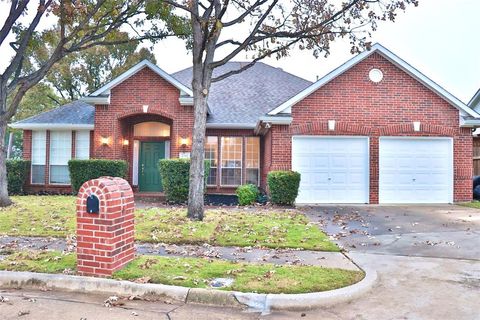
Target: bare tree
(274,27)
(80,24)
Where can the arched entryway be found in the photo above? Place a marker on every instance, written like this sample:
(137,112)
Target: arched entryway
(148,139)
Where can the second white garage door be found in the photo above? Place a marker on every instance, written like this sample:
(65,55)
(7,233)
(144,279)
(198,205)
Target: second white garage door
(333,169)
(416,170)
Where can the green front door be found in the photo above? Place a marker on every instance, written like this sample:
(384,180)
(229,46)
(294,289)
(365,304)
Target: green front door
(149,175)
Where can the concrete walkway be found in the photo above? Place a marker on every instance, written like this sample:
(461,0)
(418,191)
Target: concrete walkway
(239,254)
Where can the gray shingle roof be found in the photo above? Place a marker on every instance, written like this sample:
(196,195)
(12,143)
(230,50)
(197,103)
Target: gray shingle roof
(238,99)
(76,112)
(244,97)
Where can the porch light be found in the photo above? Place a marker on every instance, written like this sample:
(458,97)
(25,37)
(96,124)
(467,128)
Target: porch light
(145,108)
(184,141)
(416,126)
(331,125)
(125,142)
(104,141)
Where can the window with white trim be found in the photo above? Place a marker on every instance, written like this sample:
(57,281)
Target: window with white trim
(60,153)
(211,153)
(82,145)
(231,161)
(39,144)
(252,160)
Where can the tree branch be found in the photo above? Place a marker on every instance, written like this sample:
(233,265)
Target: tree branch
(14,14)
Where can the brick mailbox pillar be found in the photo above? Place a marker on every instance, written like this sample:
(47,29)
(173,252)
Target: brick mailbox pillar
(105,226)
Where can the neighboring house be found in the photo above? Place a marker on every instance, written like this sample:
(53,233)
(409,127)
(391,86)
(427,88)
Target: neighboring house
(475,105)
(373,130)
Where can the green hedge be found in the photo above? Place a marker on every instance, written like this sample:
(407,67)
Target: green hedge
(84,170)
(175,175)
(17,174)
(283,186)
(247,194)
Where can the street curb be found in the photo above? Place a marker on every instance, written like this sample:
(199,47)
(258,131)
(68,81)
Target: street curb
(253,301)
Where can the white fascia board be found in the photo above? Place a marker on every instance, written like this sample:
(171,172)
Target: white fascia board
(392,58)
(470,123)
(276,120)
(475,101)
(133,70)
(51,126)
(96,100)
(230,125)
(186,101)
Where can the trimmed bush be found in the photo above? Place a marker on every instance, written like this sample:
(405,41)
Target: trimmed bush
(17,174)
(283,186)
(84,170)
(247,194)
(175,175)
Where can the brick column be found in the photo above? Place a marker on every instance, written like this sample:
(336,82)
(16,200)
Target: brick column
(105,240)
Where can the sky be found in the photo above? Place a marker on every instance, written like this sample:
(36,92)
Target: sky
(441,38)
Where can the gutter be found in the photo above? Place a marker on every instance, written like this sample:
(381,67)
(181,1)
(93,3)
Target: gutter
(250,126)
(96,100)
(51,126)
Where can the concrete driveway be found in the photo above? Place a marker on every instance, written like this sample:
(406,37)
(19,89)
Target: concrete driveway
(441,231)
(427,259)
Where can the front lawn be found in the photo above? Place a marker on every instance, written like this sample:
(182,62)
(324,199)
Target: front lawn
(198,272)
(474,204)
(274,228)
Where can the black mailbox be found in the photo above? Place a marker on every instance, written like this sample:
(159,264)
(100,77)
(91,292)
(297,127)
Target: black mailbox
(93,204)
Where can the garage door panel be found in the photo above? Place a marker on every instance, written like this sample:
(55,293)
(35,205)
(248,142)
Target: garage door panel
(415,170)
(336,170)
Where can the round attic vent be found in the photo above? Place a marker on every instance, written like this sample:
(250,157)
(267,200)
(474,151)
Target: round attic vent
(375,75)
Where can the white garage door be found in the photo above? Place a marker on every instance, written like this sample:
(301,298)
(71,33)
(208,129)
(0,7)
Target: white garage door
(333,169)
(416,170)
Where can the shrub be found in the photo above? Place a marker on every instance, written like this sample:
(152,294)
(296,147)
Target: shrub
(84,170)
(175,175)
(283,186)
(247,194)
(17,174)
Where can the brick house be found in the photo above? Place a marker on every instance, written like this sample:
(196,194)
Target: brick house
(374,130)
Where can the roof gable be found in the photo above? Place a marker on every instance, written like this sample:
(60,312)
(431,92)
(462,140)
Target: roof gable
(394,59)
(136,68)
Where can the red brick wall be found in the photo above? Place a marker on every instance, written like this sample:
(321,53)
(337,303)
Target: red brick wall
(105,240)
(127,99)
(388,108)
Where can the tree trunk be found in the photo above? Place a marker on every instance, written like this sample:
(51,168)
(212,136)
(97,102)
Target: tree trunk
(197,163)
(10,145)
(4,199)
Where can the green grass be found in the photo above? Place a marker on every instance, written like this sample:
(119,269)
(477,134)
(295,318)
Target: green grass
(474,204)
(38,261)
(198,272)
(273,228)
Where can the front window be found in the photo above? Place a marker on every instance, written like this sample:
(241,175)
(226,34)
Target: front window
(211,152)
(39,140)
(60,153)
(252,160)
(231,161)
(82,145)
(151,129)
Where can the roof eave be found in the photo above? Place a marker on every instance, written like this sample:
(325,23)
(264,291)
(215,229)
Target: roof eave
(231,125)
(51,126)
(186,101)
(103,100)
